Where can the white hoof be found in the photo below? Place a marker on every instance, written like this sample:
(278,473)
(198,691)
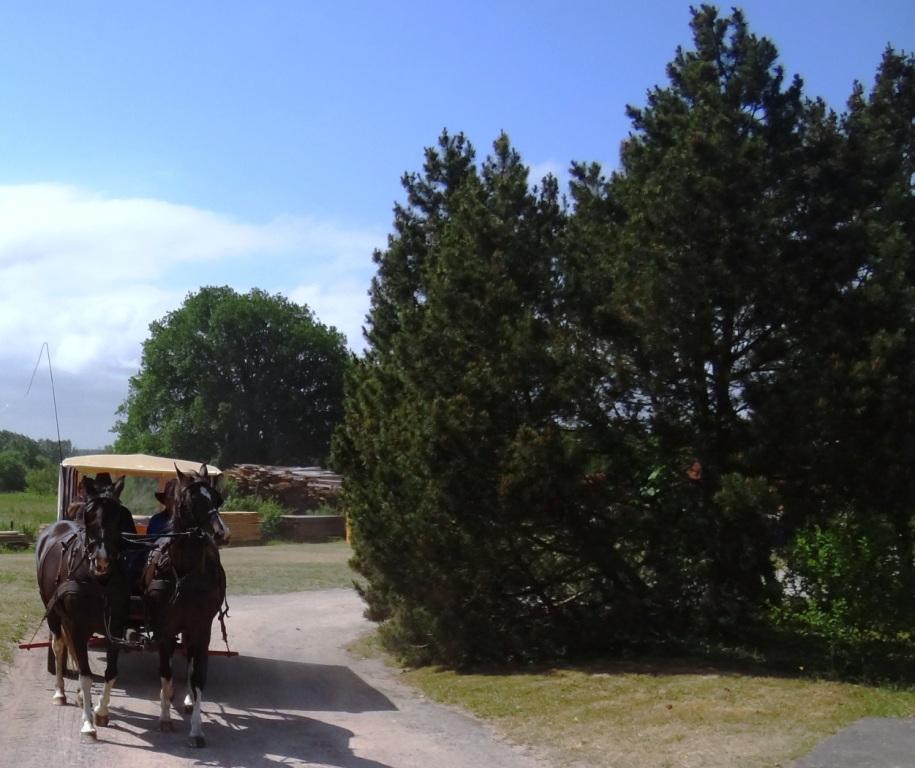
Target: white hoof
(59,698)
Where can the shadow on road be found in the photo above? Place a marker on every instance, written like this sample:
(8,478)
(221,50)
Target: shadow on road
(249,683)
(254,712)
(251,740)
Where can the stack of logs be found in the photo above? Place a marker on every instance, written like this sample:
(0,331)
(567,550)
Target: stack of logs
(300,489)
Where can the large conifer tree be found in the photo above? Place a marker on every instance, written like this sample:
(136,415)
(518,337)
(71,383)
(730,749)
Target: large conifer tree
(702,268)
(461,480)
(576,429)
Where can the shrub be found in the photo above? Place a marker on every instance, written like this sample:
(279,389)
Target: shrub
(12,472)
(270,511)
(843,583)
(42,479)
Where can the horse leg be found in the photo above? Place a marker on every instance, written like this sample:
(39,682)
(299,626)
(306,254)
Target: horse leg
(198,681)
(166,647)
(188,699)
(59,647)
(81,645)
(111,675)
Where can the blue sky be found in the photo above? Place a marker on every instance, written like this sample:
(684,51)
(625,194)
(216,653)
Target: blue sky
(151,148)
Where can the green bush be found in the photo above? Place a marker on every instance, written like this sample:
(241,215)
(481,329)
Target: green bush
(270,511)
(42,479)
(843,584)
(12,471)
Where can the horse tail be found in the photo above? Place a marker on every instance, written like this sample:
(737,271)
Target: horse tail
(71,649)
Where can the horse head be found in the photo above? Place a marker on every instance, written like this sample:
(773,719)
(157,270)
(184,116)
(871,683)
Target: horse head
(99,518)
(196,505)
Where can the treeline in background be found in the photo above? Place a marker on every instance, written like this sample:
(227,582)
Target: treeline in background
(27,464)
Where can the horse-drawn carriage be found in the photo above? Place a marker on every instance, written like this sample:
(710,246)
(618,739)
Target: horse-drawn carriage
(106,578)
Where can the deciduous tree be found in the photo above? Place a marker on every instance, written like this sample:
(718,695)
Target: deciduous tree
(236,378)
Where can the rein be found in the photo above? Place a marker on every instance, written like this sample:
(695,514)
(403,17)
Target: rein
(150,540)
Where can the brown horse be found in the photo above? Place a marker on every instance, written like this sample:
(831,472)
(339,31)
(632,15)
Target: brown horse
(185,587)
(83,585)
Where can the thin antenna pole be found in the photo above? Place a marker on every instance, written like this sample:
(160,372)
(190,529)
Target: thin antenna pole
(46,348)
(60,448)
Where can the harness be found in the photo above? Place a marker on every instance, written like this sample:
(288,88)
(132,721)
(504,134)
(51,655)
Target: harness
(74,551)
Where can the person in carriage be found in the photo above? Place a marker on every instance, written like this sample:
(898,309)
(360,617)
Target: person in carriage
(160,522)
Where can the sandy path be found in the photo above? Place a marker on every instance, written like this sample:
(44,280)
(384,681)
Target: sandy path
(293,697)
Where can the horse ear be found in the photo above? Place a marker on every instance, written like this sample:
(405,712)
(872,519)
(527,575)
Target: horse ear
(118,486)
(203,471)
(90,486)
(180,474)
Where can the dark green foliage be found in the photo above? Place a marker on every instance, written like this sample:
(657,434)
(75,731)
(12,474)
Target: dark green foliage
(42,479)
(461,483)
(32,452)
(25,462)
(844,408)
(691,283)
(581,427)
(233,378)
(12,471)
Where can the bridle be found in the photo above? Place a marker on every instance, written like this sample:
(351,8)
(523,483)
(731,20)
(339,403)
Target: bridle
(92,546)
(184,507)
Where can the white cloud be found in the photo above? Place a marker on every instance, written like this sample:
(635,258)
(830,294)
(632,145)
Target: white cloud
(88,273)
(343,305)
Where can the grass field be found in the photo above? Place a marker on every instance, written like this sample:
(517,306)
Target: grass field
(278,567)
(662,714)
(20,605)
(26,511)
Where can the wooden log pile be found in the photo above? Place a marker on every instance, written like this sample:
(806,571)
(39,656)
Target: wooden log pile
(300,489)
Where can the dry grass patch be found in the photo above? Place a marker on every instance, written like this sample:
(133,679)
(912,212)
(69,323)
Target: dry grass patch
(662,715)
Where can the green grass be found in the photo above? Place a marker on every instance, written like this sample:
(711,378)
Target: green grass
(281,567)
(661,713)
(25,511)
(272,569)
(20,605)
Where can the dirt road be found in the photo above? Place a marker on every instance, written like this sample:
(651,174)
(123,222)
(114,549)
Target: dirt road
(293,697)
